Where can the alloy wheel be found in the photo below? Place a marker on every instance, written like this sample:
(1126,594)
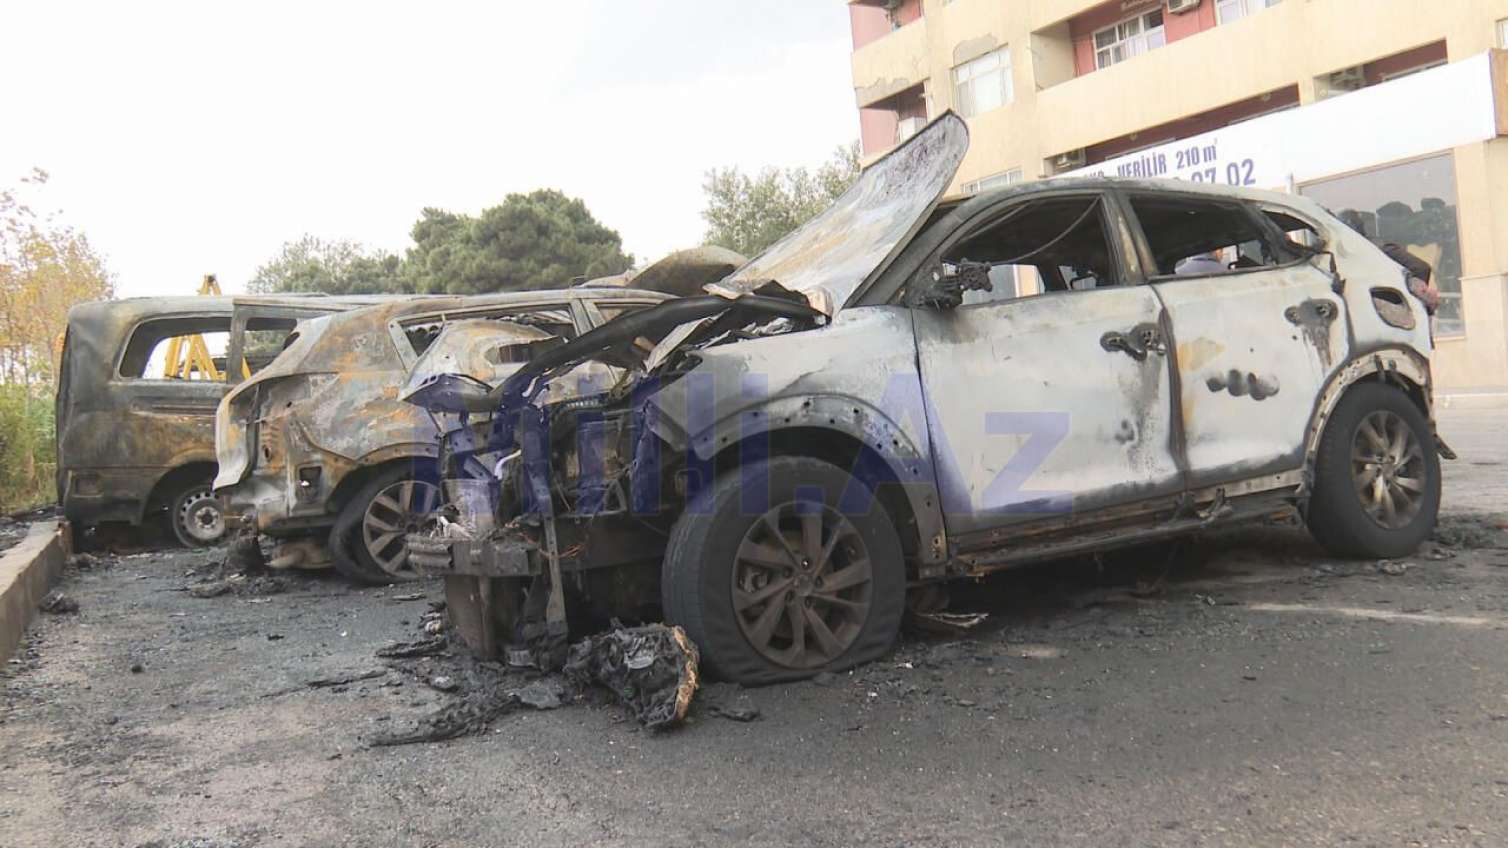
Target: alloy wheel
(1388,469)
(802,585)
(396,511)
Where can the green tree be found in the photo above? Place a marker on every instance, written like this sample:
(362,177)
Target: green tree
(45,268)
(312,264)
(539,240)
(748,214)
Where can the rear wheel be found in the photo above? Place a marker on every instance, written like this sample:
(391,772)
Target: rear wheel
(198,517)
(812,580)
(1376,476)
(369,535)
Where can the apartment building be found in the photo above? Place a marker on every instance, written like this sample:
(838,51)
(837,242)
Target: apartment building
(1393,113)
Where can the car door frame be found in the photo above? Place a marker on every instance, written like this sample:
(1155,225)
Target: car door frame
(1263,478)
(243,313)
(1132,264)
(407,356)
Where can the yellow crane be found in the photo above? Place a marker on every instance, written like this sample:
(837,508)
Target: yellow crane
(189,355)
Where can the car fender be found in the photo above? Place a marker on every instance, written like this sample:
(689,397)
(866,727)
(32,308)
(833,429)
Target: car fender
(1389,363)
(856,377)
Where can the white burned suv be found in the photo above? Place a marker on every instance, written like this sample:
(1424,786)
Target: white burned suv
(906,391)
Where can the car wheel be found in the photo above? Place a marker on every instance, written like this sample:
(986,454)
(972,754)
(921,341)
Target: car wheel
(1376,476)
(368,541)
(811,581)
(198,517)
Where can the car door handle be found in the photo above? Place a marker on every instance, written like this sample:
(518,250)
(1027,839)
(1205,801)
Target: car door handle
(1135,343)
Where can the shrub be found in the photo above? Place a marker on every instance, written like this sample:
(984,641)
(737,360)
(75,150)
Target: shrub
(28,452)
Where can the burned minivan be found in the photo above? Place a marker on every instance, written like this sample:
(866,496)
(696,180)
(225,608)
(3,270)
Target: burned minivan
(138,384)
(905,391)
(317,452)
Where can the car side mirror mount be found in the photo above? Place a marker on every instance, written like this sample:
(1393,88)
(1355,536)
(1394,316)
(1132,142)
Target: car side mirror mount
(944,286)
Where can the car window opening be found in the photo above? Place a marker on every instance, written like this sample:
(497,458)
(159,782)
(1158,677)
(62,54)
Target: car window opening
(1193,237)
(145,356)
(556,321)
(264,339)
(1052,245)
(1299,233)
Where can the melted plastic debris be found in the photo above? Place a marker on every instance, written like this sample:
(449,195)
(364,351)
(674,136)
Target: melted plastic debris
(652,670)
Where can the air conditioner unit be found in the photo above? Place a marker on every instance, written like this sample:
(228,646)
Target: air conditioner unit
(1182,7)
(1349,79)
(1068,161)
(908,127)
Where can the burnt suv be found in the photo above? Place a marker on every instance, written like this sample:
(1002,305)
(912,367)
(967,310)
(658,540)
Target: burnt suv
(138,383)
(316,450)
(906,391)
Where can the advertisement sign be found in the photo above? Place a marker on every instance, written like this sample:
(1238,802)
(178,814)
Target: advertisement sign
(1410,116)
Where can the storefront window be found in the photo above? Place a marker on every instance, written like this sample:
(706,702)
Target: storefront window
(1412,204)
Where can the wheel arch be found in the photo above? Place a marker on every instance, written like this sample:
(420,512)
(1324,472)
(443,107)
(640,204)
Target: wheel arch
(1400,367)
(358,477)
(172,481)
(852,435)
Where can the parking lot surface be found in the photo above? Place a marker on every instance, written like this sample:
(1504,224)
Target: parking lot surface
(1238,689)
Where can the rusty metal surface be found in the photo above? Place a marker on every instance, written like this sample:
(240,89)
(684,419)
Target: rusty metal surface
(490,351)
(331,401)
(830,257)
(471,348)
(119,436)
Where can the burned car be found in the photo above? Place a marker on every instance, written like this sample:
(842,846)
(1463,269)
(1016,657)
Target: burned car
(138,383)
(905,391)
(317,451)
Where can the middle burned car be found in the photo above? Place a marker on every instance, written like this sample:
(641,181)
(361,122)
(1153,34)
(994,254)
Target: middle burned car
(905,391)
(317,451)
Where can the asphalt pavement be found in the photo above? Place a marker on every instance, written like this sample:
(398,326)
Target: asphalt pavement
(1241,689)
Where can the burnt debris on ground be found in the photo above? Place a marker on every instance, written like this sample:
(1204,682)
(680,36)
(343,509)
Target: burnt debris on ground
(58,602)
(652,670)
(649,670)
(243,571)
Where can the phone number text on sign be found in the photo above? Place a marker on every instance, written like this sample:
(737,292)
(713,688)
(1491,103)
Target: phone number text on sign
(1200,163)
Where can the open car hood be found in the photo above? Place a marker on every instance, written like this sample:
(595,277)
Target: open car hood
(834,254)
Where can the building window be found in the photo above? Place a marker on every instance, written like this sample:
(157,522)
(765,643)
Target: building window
(1128,38)
(994,181)
(1413,205)
(1503,33)
(983,84)
(1427,66)
(1227,11)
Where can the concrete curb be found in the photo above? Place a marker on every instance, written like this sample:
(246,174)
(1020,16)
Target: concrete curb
(26,572)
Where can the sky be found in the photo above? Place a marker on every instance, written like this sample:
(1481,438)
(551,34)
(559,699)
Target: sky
(193,138)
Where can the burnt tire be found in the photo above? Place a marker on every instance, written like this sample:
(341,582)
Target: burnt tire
(352,548)
(716,552)
(198,517)
(1376,476)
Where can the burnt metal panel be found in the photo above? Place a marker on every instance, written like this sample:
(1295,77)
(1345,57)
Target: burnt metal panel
(1032,417)
(833,255)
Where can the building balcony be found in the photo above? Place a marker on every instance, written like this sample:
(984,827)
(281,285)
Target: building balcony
(1263,52)
(890,65)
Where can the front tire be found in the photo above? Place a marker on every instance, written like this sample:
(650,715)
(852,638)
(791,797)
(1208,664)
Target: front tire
(1376,476)
(811,580)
